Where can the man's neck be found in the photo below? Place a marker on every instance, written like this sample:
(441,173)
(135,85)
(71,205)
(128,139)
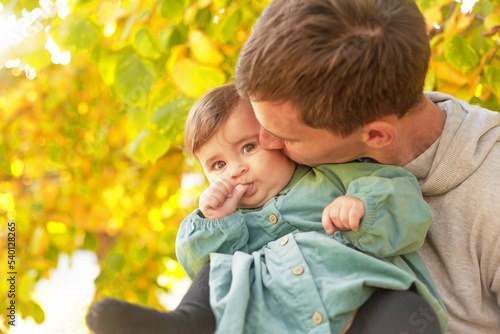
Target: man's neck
(415,133)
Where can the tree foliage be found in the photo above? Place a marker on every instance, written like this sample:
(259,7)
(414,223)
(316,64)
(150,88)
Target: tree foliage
(91,152)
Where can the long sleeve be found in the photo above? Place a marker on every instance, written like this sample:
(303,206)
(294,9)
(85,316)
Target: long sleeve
(396,217)
(198,237)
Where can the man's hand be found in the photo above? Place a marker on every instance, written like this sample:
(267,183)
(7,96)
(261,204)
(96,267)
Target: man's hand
(343,214)
(221,198)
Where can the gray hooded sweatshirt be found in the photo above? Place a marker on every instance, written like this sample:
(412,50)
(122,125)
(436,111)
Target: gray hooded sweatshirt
(460,179)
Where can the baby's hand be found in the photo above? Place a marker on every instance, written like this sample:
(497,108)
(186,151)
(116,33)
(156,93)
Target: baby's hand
(220,199)
(343,214)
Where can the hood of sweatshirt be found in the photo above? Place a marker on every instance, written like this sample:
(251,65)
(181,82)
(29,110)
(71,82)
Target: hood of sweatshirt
(469,134)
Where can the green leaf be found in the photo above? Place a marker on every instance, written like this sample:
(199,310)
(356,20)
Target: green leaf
(40,60)
(80,33)
(142,295)
(167,124)
(143,254)
(138,117)
(194,79)
(36,207)
(230,24)
(486,8)
(133,79)
(425,4)
(146,44)
(172,9)
(430,81)
(90,241)
(52,254)
(134,148)
(19,5)
(37,313)
(480,43)
(115,262)
(148,145)
(155,146)
(162,91)
(4,161)
(203,17)
(26,286)
(460,54)
(169,119)
(491,102)
(492,74)
(106,63)
(174,34)
(219,4)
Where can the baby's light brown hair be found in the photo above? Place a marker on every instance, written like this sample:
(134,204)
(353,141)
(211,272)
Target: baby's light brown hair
(208,114)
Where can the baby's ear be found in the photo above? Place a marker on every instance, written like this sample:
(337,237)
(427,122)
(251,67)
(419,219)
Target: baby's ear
(379,134)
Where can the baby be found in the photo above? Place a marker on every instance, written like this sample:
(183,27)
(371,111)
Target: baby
(283,248)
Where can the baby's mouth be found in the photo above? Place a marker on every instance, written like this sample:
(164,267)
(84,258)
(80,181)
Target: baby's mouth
(250,190)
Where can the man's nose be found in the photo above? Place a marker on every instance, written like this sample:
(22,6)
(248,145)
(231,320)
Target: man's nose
(270,142)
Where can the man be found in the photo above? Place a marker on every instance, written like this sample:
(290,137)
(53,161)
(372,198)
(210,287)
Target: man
(337,80)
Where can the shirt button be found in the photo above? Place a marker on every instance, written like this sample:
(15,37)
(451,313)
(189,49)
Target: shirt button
(273,219)
(298,270)
(284,241)
(317,318)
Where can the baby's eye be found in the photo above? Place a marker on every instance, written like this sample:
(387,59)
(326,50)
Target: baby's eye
(219,164)
(249,148)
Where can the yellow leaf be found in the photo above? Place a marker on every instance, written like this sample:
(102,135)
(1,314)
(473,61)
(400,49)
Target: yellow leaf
(190,13)
(204,3)
(193,79)
(203,48)
(39,243)
(56,227)
(109,12)
(463,92)
(142,283)
(229,50)
(448,73)
(491,21)
(177,53)
(433,16)
(464,21)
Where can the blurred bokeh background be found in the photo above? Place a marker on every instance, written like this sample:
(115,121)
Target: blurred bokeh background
(93,98)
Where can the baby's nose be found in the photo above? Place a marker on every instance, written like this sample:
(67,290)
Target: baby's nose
(238,170)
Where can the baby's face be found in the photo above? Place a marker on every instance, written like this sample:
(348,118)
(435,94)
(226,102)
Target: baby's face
(234,153)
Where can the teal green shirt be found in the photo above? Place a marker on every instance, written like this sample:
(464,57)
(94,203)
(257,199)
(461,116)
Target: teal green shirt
(274,269)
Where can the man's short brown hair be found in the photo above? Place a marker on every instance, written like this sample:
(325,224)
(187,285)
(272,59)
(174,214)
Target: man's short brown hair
(208,114)
(342,63)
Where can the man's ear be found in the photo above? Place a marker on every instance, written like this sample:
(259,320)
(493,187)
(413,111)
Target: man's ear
(379,134)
